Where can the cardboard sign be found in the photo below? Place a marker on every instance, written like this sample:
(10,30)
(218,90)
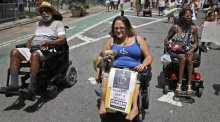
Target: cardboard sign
(120,89)
(210,32)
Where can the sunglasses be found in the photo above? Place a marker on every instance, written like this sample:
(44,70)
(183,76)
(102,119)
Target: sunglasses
(119,28)
(45,10)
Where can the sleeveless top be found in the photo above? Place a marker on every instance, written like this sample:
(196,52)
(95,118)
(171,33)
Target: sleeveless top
(127,56)
(185,39)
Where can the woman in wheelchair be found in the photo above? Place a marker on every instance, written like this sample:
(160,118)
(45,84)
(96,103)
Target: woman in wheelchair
(129,48)
(48,32)
(183,40)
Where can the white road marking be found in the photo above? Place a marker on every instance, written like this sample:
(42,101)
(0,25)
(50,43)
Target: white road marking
(151,22)
(94,40)
(84,43)
(79,34)
(142,17)
(169,99)
(85,38)
(15,40)
(92,80)
(72,27)
(73,36)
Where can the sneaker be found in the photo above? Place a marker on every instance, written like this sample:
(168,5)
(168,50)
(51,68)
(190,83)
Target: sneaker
(10,88)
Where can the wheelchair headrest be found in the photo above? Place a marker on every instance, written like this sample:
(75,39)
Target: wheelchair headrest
(58,16)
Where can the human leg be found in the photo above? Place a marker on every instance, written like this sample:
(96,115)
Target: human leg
(134,110)
(131,5)
(35,64)
(190,69)
(97,59)
(102,109)
(15,60)
(159,11)
(168,19)
(181,70)
(121,6)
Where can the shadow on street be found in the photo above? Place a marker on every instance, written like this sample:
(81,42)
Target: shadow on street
(217,89)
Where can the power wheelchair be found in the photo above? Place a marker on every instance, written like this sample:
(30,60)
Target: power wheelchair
(56,71)
(170,72)
(144,94)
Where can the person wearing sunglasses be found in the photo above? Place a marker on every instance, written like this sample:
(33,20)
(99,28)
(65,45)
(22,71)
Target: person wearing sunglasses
(132,53)
(48,32)
(183,39)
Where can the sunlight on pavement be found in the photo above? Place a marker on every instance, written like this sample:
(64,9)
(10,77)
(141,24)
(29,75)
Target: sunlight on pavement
(169,99)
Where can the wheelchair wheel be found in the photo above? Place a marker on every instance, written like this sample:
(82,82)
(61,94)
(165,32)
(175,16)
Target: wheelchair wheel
(71,76)
(199,92)
(166,89)
(145,98)
(52,91)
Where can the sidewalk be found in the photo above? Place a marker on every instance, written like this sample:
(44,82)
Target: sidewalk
(25,27)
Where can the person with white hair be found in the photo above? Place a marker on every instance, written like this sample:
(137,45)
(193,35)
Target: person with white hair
(48,32)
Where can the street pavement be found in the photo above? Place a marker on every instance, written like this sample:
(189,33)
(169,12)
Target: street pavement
(79,103)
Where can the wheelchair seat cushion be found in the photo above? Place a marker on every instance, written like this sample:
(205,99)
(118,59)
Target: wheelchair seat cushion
(27,54)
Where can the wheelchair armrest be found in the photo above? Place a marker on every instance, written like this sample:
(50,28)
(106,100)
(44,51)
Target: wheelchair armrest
(66,27)
(21,45)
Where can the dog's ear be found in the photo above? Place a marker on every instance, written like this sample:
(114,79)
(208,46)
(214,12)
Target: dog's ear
(101,54)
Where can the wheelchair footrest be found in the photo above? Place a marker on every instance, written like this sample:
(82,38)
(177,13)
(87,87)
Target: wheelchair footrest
(27,97)
(183,97)
(10,93)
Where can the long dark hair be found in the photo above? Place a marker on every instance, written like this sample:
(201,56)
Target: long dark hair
(183,12)
(129,29)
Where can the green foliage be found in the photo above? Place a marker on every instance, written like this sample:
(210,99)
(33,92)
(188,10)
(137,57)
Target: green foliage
(78,4)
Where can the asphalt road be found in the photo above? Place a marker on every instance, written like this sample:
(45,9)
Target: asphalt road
(79,103)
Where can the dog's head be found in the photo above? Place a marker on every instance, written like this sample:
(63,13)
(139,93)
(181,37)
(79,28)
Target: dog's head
(108,55)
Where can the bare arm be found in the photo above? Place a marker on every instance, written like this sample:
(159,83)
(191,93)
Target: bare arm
(170,34)
(108,44)
(195,37)
(29,42)
(145,51)
(61,39)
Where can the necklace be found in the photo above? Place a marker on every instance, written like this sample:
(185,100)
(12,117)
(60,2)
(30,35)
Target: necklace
(125,42)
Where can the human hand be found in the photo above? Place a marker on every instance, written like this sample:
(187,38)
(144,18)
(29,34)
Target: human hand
(189,53)
(166,43)
(140,67)
(44,44)
(175,47)
(97,78)
(29,44)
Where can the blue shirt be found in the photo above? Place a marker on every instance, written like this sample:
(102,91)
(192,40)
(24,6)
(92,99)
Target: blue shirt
(127,56)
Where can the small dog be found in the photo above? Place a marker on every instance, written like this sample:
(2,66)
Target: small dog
(107,60)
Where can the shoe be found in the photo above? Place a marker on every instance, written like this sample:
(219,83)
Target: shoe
(189,90)
(10,88)
(27,91)
(178,88)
